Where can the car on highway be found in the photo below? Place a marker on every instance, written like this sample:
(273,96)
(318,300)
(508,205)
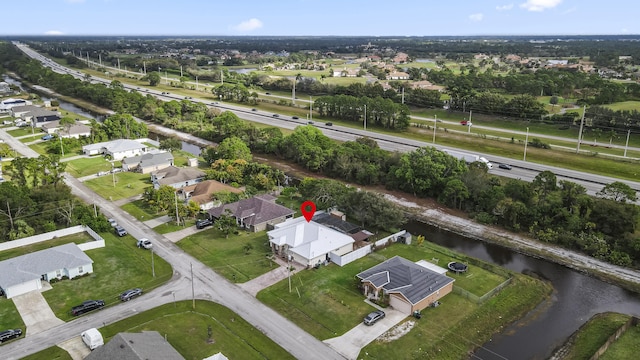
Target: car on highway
(87,306)
(120,231)
(203,223)
(373,317)
(267,93)
(505,166)
(47,137)
(9,334)
(465,122)
(130,294)
(329,124)
(254,109)
(295,117)
(275,115)
(310,122)
(144,243)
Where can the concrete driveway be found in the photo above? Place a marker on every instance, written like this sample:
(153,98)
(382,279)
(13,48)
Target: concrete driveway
(350,344)
(76,348)
(35,312)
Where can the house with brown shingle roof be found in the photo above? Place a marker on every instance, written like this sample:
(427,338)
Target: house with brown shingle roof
(176,177)
(201,193)
(254,214)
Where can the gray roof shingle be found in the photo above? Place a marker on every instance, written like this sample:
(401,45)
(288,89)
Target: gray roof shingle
(399,275)
(147,345)
(253,211)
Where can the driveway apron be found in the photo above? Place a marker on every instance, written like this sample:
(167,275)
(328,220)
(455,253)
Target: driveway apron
(35,312)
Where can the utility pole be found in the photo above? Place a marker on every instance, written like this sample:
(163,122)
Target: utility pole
(310,108)
(180,70)
(403,94)
(626,146)
(196,79)
(100,59)
(365,117)
(144,67)
(193,291)
(119,64)
(175,195)
(10,217)
(469,123)
(153,268)
(526,141)
(584,110)
(435,125)
(221,78)
(95,209)
(289,270)
(293,92)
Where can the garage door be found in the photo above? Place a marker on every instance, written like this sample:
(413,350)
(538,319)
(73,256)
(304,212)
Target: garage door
(23,288)
(400,304)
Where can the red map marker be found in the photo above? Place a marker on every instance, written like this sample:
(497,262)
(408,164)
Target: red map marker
(308,208)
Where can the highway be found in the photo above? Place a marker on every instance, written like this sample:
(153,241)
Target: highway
(523,170)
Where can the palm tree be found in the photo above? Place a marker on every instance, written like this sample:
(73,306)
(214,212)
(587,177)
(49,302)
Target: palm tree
(293,94)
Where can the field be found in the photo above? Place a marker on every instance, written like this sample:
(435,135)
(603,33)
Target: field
(127,184)
(231,257)
(87,166)
(624,105)
(592,335)
(187,331)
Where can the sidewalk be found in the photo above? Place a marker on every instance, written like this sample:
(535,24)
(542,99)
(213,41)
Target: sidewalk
(265,280)
(181,234)
(157,221)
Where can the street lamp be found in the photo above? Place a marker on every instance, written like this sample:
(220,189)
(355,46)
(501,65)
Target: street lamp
(526,141)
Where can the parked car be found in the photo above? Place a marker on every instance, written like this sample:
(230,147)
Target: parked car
(87,306)
(21,124)
(373,317)
(112,222)
(310,122)
(116,170)
(92,338)
(144,243)
(10,334)
(295,117)
(120,231)
(329,124)
(47,137)
(505,166)
(130,294)
(254,109)
(203,223)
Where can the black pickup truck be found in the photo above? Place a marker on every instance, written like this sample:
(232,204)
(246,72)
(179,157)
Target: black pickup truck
(86,307)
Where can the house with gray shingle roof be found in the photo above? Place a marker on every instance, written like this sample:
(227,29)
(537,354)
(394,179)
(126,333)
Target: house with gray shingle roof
(22,274)
(149,162)
(176,177)
(146,345)
(254,214)
(410,286)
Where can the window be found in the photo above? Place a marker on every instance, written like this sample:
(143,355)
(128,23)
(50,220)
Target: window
(58,273)
(80,269)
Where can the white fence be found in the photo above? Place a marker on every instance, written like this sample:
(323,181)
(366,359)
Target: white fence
(98,243)
(365,250)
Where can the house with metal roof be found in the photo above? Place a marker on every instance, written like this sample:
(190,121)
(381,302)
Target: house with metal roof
(410,286)
(22,274)
(146,163)
(7,104)
(308,243)
(136,346)
(116,149)
(254,214)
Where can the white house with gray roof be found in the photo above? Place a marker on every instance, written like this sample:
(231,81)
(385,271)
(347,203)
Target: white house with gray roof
(22,274)
(308,243)
(116,149)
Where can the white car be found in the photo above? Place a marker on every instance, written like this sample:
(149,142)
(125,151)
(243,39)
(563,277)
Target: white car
(145,243)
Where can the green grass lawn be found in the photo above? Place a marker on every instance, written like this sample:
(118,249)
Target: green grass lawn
(139,210)
(626,347)
(78,238)
(624,105)
(52,353)
(118,266)
(127,184)
(592,335)
(227,257)
(326,302)
(171,226)
(87,166)
(20,131)
(9,316)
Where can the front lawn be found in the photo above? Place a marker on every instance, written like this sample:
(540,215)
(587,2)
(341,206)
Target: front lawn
(87,166)
(171,226)
(9,316)
(229,257)
(118,266)
(127,184)
(139,210)
(52,353)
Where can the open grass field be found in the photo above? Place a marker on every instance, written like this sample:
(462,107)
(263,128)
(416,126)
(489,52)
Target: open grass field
(592,335)
(87,166)
(118,266)
(78,238)
(624,105)
(228,256)
(127,184)
(326,302)
(626,347)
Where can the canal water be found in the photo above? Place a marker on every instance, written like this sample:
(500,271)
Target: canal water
(576,298)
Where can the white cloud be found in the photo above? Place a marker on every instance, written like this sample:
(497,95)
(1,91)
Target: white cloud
(248,25)
(53,32)
(540,5)
(504,7)
(476,17)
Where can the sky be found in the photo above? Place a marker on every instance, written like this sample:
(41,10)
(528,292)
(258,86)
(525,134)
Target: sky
(319,17)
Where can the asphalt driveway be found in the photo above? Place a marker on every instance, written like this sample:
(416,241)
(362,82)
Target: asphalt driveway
(350,344)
